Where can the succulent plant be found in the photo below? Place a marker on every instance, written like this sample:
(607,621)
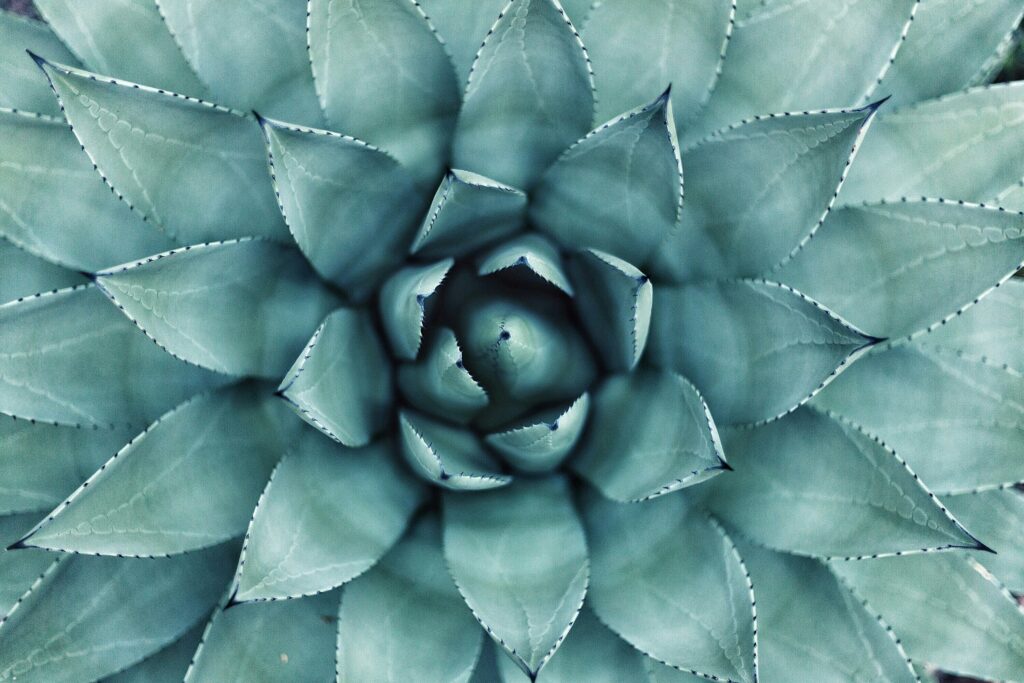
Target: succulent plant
(340,335)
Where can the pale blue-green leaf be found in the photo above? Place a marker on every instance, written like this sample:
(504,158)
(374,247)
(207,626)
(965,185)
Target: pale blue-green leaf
(402,305)
(886,267)
(20,84)
(926,673)
(189,481)
(650,434)
(783,173)
(251,54)
(341,383)
(541,442)
(281,642)
(327,515)
(71,358)
(462,26)
(519,558)
(640,46)
(530,95)
(405,621)
(658,672)
(448,456)
(755,349)
(240,307)
(619,189)
(166,666)
(20,567)
(532,252)
(439,383)
(956,419)
(669,581)
(123,38)
(382,75)
(947,610)
(88,228)
(614,302)
(93,616)
(996,518)
(350,207)
(468,211)
(813,485)
(196,170)
(25,274)
(993,328)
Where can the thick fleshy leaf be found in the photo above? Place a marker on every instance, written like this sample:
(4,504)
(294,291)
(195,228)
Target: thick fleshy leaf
(196,170)
(71,358)
(439,383)
(88,229)
(993,328)
(350,207)
(873,264)
(19,568)
(532,252)
(619,189)
(25,274)
(92,616)
(704,623)
(519,558)
(530,95)
(997,518)
(402,304)
(189,481)
(405,621)
(383,76)
(342,382)
(241,307)
(462,27)
(123,38)
(614,301)
(166,666)
(263,67)
(650,434)
(283,642)
(543,441)
(811,484)
(20,84)
(448,456)
(782,172)
(755,349)
(327,515)
(955,419)
(947,610)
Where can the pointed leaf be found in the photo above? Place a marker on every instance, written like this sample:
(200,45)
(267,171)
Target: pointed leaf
(532,252)
(383,76)
(439,383)
(519,558)
(327,515)
(614,301)
(755,349)
(448,456)
(543,441)
(405,621)
(402,305)
(670,583)
(350,207)
(25,274)
(993,328)
(997,518)
(196,170)
(462,27)
(20,84)
(71,358)
(240,307)
(530,95)
(166,666)
(19,568)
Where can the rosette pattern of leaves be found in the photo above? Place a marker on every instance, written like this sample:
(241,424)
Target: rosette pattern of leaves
(375,340)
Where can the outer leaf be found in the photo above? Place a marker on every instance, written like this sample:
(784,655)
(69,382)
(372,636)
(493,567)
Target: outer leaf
(187,482)
(812,485)
(281,642)
(993,328)
(194,169)
(92,616)
(519,558)
(619,189)
(462,27)
(529,96)
(755,349)
(532,252)
(402,305)
(448,456)
(350,207)
(383,76)
(439,383)
(241,307)
(543,441)
(69,357)
(955,419)
(25,274)
(20,85)
(397,620)
(704,624)
(997,518)
(341,383)
(327,515)
(166,666)
(947,609)
(20,568)
(651,434)
(871,263)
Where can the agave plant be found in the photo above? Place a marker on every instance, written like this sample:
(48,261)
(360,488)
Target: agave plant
(342,335)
